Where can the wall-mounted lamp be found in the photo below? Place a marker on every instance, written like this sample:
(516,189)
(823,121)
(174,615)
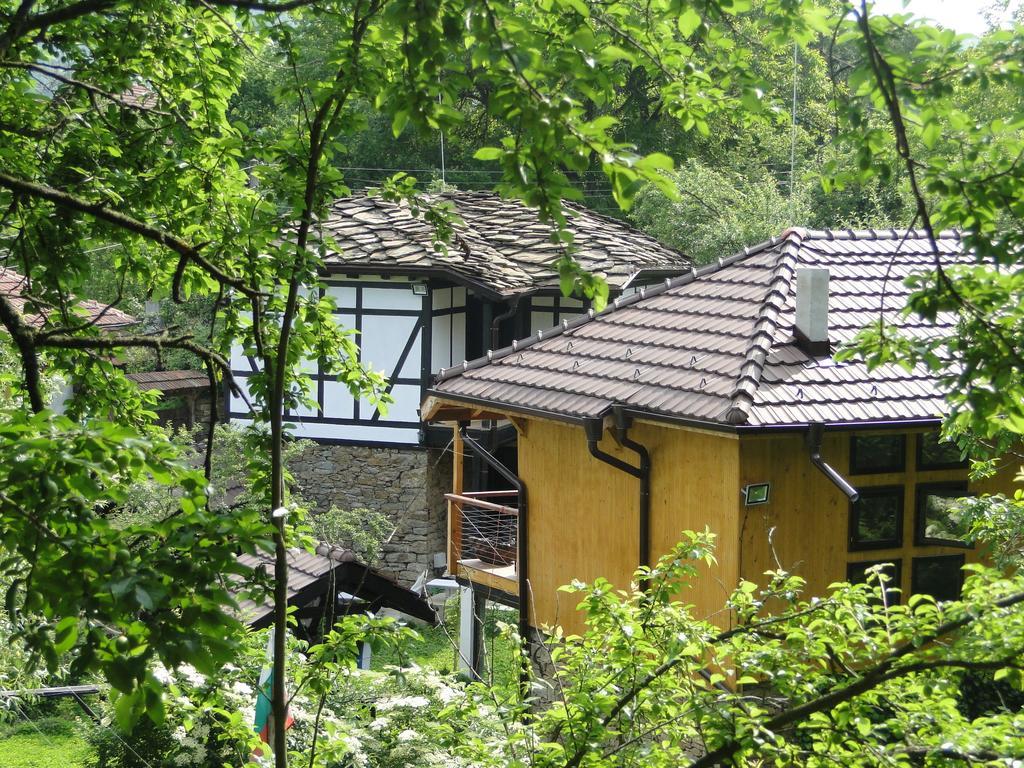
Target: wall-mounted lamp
(756,493)
(420,289)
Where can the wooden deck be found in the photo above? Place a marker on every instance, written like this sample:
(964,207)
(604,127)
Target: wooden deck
(501,577)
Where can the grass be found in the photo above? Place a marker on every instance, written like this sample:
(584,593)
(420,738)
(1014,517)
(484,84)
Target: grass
(46,742)
(436,647)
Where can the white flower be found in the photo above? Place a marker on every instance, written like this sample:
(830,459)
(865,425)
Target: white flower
(379,724)
(241,689)
(191,674)
(397,702)
(407,735)
(161,674)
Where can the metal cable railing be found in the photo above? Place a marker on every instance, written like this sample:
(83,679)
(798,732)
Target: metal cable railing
(481,528)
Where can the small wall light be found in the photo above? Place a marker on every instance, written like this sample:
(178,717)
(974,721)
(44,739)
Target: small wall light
(756,493)
(420,289)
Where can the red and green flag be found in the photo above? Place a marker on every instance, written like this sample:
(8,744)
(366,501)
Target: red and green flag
(264,720)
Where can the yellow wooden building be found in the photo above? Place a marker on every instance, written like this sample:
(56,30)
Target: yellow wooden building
(712,401)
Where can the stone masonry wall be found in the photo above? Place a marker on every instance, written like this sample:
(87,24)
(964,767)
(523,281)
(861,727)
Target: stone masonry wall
(406,484)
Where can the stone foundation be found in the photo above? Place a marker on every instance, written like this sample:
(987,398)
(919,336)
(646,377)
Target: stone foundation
(406,484)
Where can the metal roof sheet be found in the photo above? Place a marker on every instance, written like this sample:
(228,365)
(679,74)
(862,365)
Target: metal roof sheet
(717,344)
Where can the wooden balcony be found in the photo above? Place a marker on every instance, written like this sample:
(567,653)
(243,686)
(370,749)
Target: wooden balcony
(483,538)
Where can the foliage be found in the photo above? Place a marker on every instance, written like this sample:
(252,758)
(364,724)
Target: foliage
(44,743)
(362,718)
(716,213)
(839,680)
(945,117)
(364,531)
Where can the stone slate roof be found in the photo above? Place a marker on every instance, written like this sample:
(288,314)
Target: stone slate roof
(170,381)
(501,248)
(15,286)
(312,574)
(717,345)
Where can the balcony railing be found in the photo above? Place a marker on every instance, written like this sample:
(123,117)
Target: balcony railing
(483,529)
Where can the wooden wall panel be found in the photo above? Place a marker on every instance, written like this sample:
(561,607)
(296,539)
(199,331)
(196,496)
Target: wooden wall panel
(582,520)
(584,514)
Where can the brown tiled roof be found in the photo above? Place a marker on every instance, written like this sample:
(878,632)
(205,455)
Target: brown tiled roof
(170,381)
(501,248)
(15,287)
(717,345)
(311,574)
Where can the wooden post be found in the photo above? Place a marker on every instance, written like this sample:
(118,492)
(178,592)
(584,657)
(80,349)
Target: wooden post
(454,509)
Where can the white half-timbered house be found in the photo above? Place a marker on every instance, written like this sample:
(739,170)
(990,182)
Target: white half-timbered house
(417,310)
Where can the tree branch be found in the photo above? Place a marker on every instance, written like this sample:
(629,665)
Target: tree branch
(24,337)
(185,250)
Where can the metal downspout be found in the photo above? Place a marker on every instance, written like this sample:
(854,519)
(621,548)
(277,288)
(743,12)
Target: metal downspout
(522,555)
(814,435)
(622,425)
(594,428)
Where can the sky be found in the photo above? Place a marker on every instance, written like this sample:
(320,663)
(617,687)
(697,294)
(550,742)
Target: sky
(965,16)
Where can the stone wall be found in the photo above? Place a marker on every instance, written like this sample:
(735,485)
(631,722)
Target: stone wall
(406,484)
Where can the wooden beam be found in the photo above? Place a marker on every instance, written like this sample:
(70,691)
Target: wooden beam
(454,509)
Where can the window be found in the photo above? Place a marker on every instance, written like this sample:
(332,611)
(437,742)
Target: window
(857,573)
(877,454)
(938,576)
(876,519)
(933,454)
(936,517)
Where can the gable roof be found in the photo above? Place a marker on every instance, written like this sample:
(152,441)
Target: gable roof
(15,287)
(717,345)
(170,381)
(314,574)
(501,248)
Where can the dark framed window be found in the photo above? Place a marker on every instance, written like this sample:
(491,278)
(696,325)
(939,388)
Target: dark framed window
(936,520)
(938,576)
(876,454)
(935,454)
(876,519)
(857,573)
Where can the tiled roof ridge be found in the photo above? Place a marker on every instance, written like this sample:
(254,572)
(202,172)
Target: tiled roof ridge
(619,303)
(891,233)
(767,323)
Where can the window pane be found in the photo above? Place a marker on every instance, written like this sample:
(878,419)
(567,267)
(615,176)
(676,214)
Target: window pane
(856,573)
(877,453)
(939,577)
(938,516)
(932,454)
(876,518)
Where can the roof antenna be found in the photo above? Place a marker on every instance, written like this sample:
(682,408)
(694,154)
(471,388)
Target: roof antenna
(792,143)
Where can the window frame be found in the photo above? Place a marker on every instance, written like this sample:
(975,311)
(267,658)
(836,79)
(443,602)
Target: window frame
(921,491)
(852,545)
(960,557)
(924,467)
(883,470)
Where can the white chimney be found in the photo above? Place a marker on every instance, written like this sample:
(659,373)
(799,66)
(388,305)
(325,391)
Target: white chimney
(811,327)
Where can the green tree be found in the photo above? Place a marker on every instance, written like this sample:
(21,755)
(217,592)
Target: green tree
(117,131)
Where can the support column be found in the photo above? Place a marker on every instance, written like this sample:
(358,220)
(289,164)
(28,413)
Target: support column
(471,632)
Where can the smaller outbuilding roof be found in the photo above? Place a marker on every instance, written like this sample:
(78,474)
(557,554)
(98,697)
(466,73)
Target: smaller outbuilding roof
(717,345)
(313,575)
(16,288)
(500,248)
(170,381)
